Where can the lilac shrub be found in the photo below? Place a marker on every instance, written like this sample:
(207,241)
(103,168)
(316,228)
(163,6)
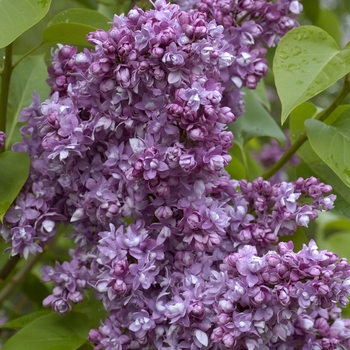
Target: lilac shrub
(130,150)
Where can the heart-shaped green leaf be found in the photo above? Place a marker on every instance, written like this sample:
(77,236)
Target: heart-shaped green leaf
(16,16)
(14,171)
(307,61)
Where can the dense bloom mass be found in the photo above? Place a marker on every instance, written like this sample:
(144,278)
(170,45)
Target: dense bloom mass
(249,26)
(131,150)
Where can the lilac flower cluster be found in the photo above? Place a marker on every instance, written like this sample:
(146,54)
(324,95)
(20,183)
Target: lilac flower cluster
(130,150)
(250,25)
(282,300)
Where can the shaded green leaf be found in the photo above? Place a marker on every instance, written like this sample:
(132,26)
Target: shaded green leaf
(332,144)
(236,169)
(311,8)
(256,122)
(307,61)
(314,165)
(87,17)
(19,15)
(261,95)
(92,4)
(86,346)
(21,322)
(14,171)
(68,33)
(329,22)
(51,332)
(30,75)
(337,243)
(92,308)
(35,289)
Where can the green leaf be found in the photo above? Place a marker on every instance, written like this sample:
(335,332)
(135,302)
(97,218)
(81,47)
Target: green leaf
(236,168)
(51,332)
(256,122)
(82,16)
(337,243)
(30,75)
(298,238)
(16,16)
(68,33)
(332,144)
(307,61)
(14,171)
(329,22)
(21,322)
(86,346)
(311,8)
(92,308)
(35,289)
(314,165)
(261,95)
(92,4)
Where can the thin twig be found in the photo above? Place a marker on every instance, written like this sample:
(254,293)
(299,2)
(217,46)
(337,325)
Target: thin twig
(8,267)
(25,55)
(19,277)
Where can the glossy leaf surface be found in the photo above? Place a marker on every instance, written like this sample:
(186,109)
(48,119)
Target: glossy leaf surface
(332,144)
(14,170)
(51,332)
(16,16)
(307,61)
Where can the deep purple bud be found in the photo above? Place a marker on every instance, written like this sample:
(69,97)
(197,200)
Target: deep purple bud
(121,268)
(223,318)
(120,287)
(75,297)
(187,162)
(322,326)
(163,213)
(197,310)
(228,340)
(194,220)
(94,336)
(217,335)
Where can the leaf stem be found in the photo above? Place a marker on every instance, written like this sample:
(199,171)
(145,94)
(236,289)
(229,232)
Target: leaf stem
(303,137)
(26,55)
(19,277)
(5,88)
